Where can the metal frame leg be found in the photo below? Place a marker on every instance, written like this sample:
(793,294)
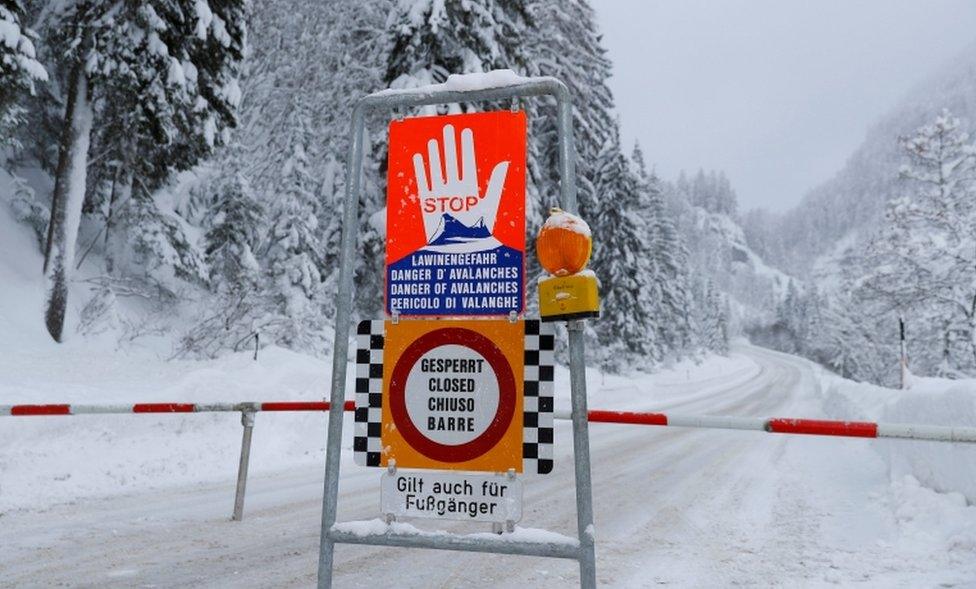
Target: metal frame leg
(581,449)
(340,347)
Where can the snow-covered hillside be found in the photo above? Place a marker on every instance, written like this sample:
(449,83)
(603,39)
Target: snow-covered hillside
(719,246)
(845,209)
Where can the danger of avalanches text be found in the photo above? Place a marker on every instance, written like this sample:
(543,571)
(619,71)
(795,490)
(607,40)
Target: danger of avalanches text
(465,288)
(488,288)
(437,403)
(441,498)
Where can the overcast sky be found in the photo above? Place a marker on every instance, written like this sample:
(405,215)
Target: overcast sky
(775,92)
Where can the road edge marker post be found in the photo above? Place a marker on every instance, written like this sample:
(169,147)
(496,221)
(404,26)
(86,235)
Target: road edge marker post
(583,550)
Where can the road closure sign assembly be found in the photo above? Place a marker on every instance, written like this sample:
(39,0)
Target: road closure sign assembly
(455,385)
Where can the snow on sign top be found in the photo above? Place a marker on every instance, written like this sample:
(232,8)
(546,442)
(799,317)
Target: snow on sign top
(455,215)
(464,83)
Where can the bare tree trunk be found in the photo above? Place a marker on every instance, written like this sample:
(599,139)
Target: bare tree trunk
(121,192)
(946,369)
(109,258)
(67,200)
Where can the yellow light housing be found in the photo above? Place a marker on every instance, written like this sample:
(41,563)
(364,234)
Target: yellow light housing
(566,298)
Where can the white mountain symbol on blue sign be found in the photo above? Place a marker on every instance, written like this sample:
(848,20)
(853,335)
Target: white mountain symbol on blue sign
(451,231)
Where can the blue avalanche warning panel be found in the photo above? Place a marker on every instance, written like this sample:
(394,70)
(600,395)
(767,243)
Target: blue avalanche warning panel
(455,216)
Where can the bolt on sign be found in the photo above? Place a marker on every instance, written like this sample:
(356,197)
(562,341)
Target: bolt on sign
(462,395)
(455,216)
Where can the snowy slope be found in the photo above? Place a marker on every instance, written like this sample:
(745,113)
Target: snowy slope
(718,244)
(846,208)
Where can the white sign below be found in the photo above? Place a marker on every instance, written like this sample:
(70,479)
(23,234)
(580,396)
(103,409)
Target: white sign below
(448,495)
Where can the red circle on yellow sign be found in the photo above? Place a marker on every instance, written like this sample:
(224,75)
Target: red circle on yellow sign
(506,395)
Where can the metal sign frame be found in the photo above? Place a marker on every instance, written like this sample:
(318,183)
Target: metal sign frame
(583,551)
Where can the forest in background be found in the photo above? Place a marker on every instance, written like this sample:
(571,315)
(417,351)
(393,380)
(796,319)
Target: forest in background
(182,163)
(194,154)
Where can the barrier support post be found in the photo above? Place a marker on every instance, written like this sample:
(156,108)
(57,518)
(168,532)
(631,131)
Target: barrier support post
(247,420)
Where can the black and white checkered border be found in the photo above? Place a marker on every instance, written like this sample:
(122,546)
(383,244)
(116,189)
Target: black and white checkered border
(539,385)
(366,443)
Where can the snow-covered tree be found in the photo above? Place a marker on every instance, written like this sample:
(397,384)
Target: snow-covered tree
(621,259)
(713,318)
(431,39)
(711,191)
(669,282)
(566,43)
(235,222)
(68,197)
(19,68)
(294,253)
(923,261)
(309,64)
(166,72)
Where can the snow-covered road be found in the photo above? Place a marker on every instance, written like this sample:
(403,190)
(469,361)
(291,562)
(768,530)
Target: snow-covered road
(673,507)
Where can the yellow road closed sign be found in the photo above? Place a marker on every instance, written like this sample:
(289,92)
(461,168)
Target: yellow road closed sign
(473,395)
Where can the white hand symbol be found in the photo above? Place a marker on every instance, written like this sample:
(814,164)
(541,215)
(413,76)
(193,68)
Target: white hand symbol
(457,193)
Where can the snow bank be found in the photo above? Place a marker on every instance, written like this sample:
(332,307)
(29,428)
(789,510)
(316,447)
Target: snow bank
(50,460)
(939,466)
(943,467)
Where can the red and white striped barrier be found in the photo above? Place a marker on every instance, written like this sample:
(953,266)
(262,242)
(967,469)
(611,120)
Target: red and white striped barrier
(816,427)
(777,425)
(785,425)
(63,409)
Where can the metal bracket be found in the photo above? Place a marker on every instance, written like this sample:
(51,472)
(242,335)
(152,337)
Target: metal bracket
(395,316)
(247,418)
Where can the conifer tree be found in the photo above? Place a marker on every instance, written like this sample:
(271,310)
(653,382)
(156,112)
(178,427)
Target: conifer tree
(714,317)
(566,44)
(670,262)
(294,253)
(19,69)
(620,258)
(169,69)
(235,219)
(428,40)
